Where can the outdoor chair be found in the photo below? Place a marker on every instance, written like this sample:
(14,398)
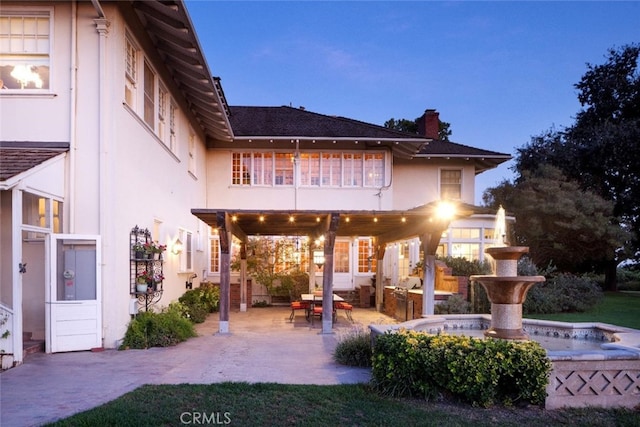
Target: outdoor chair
(348,309)
(299,305)
(317,311)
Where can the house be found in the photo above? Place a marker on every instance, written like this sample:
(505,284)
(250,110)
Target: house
(114,132)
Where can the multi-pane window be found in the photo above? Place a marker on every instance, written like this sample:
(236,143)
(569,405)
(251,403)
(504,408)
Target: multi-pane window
(186,256)
(149,96)
(192,153)
(352,170)
(172,126)
(470,251)
(341,257)
(366,256)
(465,233)
(313,169)
(331,170)
(214,248)
(374,170)
(163,98)
(283,166)
(310,169)
(131,72)
(451,184)
(25,46)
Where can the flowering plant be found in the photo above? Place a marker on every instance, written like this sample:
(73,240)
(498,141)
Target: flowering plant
(154,248)
(138,247)
(149,277)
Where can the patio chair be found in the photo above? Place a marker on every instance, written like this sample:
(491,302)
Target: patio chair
(298,305)
(348,309)
(317,311)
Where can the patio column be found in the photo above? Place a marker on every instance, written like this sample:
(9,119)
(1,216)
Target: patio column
(327,278)
(225,271)
(243,276)
(430,243)
(379,249)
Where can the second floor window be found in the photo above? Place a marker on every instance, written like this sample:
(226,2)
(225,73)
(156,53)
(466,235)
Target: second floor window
(451,184)
(24,50)
(309,169)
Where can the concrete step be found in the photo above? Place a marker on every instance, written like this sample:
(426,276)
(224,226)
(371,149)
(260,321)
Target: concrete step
(32,346)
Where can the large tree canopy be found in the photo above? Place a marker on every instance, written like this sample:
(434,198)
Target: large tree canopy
(600,152)
(411,126)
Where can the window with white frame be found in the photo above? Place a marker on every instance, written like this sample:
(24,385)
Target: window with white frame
(341,257)
(163,100)
(192,153)
(451,184)
(214,252)
(314,169)
(149,85)
(172,127)
(366,256)
(130,71)
(25,48)
(186,256)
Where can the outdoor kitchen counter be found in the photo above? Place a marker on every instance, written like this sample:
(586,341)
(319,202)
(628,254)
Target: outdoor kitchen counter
(413,295)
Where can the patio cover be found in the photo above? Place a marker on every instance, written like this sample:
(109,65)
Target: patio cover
(382,226)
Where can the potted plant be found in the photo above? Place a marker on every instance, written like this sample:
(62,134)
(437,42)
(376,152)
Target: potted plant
(158,249)
(139,250)
(143,281)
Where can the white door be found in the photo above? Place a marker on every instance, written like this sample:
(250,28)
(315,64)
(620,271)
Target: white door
(73,297)
(342,278)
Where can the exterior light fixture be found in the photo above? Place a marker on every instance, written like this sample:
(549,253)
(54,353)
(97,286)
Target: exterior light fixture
(318,257)
(177,247)
(445,210)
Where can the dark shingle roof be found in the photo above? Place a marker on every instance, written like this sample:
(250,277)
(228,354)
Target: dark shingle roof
(17,157)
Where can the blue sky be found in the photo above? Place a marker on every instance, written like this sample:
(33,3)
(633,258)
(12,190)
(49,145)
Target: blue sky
(499,72)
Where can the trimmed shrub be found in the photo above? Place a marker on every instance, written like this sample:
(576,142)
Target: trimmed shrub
(354,348)
(149,329)
(480,371)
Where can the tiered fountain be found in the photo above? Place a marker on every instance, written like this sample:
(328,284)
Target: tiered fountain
(506,292)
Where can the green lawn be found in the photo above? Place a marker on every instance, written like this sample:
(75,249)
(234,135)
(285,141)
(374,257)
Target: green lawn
(617,308)
(241,404)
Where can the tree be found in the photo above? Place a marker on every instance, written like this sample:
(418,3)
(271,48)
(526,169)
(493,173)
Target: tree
(561,223)
(601,150)
(409,126)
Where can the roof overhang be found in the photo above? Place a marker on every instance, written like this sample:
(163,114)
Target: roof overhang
(387,226)
(170,29)
(482,163)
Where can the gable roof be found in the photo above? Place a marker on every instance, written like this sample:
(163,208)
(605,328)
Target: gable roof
(484,159)
(17,157)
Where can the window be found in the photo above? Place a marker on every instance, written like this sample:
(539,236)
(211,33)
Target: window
(283,169)
(352,170)
(374,170)
(310,169)
(186,256)
(163,98)
(341,257)
(366,256)
(214,249)
(131,73)
(39,211)
(465,233)
(331,170)
(192,153)
(172,127)
(25,45)
(149,96)
(451,184)
(470,251)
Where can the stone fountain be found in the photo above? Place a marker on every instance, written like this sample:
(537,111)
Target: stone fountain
(506,292)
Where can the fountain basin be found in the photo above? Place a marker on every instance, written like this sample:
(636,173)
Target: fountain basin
(507,290)
(594,364)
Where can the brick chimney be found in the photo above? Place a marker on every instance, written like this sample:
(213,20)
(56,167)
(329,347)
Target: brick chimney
(429,124)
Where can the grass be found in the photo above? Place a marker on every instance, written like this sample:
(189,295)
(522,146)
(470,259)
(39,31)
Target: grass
(241,404)
(617,308)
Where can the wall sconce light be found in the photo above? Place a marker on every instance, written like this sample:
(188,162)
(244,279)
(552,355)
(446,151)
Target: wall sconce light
(177,247)
(318,258)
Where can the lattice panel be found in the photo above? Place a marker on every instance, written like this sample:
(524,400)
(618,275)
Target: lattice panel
(598,383)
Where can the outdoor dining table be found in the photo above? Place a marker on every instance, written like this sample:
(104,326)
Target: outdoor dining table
(313,299)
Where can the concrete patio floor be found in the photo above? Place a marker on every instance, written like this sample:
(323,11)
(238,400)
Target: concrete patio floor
(262,346)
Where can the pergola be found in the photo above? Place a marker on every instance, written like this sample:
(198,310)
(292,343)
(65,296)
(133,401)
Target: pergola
(427,222)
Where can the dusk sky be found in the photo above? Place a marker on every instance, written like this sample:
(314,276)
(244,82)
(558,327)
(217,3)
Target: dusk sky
(499,72)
